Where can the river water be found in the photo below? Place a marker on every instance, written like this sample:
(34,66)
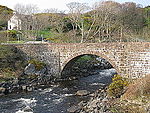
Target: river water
(56,98)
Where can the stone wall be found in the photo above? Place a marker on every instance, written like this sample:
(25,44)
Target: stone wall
(129,59)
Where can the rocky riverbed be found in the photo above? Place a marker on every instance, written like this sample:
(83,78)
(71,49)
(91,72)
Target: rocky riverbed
(59,97)
(32,77)
(98,103)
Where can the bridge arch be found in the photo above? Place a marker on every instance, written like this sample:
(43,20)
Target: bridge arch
(99,54)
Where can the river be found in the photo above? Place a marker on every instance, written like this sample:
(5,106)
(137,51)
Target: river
(56,98)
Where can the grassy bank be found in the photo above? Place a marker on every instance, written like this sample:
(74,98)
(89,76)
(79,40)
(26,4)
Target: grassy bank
(11,62)
(136,98)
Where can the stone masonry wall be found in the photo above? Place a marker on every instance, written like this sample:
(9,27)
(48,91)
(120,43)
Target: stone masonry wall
(129,59)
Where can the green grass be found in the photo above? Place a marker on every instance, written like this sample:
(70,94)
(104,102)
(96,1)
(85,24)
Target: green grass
(5,51)
(47,34)
(84,58)
(16,42)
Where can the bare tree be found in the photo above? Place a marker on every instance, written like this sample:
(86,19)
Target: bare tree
(76,11)
(51,10)
(26,14)
(106,19)
(28,9)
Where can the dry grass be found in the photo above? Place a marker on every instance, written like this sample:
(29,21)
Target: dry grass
(136,99)
(140,87)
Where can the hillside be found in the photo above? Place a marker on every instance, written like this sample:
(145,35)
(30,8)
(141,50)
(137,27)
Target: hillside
(5,14)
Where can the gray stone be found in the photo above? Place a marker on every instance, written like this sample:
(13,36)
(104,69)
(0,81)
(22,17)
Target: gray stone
(40,72)
(24,87)
(56,56)
(2,90)
(93,104)
(105,100)
(82,93)
(27,109)
(92,95)
(73,109)
(30,69)
(15,81)
(29,88)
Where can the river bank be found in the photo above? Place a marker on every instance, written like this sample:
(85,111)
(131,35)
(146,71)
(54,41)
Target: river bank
(30,83)
(136,99)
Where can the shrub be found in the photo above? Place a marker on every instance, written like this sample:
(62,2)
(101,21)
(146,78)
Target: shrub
(117,87)
(38,64)
(12,34)
(3,36)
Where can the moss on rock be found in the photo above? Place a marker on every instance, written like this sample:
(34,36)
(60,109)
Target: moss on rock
(38,64)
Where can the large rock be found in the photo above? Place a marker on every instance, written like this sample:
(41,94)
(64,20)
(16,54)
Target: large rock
(82,93)
(93,103)
(31,70)
(73,109)
(2,90)
(40,72)
(27,109)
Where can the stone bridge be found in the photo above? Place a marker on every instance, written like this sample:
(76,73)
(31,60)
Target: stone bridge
(131,59)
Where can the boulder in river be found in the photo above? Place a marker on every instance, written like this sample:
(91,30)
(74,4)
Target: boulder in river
(30,69)
(27,109)
(73,109)
(2,90)
(82,93)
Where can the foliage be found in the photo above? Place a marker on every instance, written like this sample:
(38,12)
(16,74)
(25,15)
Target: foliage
(38,64)
(16,42)
(12,62)
(136,98)
(85,58)
(3,36)
(147,16)
(9,35)
(5,14)
(62,38)
(13,35)
(4,8)
(5,51)
(108,21)
(117,87)
(46,33)
(11,58)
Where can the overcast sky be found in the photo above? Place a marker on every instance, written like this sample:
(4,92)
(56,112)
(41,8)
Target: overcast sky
(60,4)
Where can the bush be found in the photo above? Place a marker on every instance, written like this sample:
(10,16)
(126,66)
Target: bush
(3,36)
(117,87)
(38,64)
(13,35)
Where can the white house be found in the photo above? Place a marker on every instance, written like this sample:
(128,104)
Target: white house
(14,23)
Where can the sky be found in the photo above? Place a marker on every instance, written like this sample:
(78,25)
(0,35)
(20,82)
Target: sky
(60,4)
